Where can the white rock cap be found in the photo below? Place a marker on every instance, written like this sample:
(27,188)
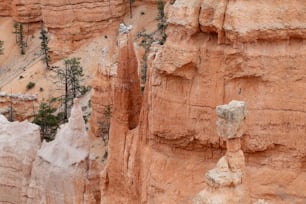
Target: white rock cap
(231,117)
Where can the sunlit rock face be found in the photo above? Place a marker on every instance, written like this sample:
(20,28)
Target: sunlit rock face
(19,142)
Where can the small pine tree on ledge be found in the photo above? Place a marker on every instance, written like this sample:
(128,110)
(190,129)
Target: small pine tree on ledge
(1,47)
(18,31)
(70,79)
(44,46)
(47,121)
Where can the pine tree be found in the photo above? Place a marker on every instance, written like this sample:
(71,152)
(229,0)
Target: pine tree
(162,22)
(71,77)
(149,39)
(44,46)
(1,48)
(47,121)
(131,12)
(18,31)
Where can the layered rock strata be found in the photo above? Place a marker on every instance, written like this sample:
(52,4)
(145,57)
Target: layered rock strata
(217,51)
(19,142)
(5,8)
(71,23)
(18,106)
(25,11)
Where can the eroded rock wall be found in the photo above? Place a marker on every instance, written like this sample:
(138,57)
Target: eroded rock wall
(61,171)
(19,142)
(5,8)
(18,106)
(217,51)
(69,23)
(25,11)
(121,171)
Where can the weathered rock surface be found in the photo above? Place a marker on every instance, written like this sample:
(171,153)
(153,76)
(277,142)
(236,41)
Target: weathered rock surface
(70,23)
(231,118)
(103,86)
(122,144)
(249,21)
(19,142)
(18,106)
(5,8)
(216,51)
(229,50)
(25,11)
(225,181)
(60,171)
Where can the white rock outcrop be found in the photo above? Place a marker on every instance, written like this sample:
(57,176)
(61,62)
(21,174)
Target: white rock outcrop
(19,142)
(59,173)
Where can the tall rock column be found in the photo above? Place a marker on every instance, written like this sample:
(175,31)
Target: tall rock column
(118,179)
(225,181)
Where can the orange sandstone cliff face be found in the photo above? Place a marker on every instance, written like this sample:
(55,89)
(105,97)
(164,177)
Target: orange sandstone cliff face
(69,23)
(162,143)
(216,51)
(126,109)
(5,8)
(18,106)
(26,11)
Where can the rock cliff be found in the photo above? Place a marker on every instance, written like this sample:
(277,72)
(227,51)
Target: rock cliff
(5,8)
(61,171)
(19,142)
(18,106)
(217,51)
(24,11)
(69,23)
(163,141)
